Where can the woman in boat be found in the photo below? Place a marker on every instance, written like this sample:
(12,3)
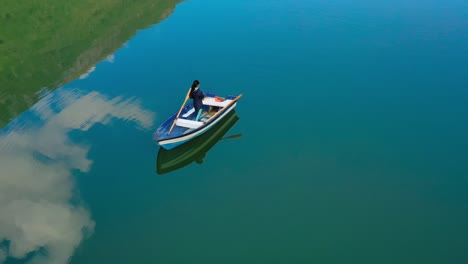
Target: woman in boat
(197,96)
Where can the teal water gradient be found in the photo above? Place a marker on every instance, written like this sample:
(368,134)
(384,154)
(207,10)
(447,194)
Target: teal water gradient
(354,145)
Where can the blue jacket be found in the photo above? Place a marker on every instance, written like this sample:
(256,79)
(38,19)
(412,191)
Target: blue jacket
(197,97)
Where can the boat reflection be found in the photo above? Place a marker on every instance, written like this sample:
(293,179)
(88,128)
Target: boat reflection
(196,149)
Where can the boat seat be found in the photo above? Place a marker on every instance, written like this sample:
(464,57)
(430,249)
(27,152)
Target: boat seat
(188,113)
(208,101)
(211,101)
(188,123)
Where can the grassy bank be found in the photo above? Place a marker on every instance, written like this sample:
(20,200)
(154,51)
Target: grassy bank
(44,43)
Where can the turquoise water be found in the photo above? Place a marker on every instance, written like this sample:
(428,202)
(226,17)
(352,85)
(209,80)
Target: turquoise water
(353,143)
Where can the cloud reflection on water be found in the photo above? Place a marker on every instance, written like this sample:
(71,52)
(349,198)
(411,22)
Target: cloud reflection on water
(36,182)
(86,74)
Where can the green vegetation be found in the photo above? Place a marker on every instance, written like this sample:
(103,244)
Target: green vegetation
(44,43)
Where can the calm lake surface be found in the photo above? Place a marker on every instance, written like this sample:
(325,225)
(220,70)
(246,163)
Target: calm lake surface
(350,144)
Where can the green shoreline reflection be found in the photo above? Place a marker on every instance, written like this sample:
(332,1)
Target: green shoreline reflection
(44,44)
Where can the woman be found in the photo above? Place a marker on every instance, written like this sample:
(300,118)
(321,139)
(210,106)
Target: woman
(197,96)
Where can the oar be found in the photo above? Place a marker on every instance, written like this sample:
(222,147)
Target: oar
(232,137)
(182,107)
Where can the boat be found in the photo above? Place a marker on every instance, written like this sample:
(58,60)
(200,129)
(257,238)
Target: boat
(196,149)
(181,127)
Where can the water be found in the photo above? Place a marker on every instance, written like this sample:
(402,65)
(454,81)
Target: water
(351,143)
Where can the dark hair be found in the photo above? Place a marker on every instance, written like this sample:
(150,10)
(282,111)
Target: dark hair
(194,85)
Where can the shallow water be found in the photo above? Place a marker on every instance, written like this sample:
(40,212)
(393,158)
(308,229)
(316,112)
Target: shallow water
(351,143)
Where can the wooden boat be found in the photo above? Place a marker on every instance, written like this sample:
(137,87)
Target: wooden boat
(196,149)
(182,127)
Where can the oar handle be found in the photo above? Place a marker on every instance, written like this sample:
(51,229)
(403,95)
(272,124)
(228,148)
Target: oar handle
(182,107)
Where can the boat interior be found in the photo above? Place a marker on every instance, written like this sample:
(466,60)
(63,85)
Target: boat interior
(210,107)
(186,121)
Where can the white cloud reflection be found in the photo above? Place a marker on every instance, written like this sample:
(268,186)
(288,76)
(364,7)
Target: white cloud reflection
(36,182)
(110,58)
(86,75)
